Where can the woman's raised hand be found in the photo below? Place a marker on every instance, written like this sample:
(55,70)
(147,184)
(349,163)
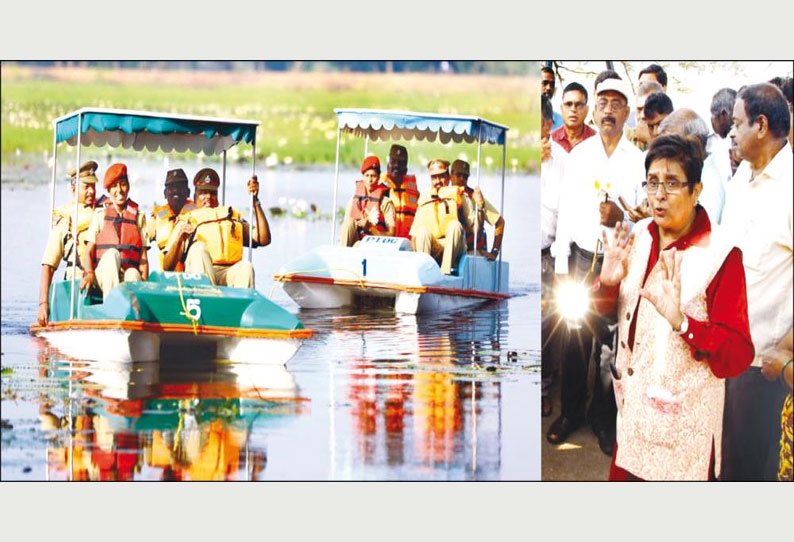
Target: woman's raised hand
(616,255)
(666,295)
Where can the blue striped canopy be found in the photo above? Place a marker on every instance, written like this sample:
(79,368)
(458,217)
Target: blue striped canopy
(384,125)
(153,131)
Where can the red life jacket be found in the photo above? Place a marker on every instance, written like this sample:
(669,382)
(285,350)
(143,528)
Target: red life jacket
(366,202)
(406,200)
(129,243)
(482,241)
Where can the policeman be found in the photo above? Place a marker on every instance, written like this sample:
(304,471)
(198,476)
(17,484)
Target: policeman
(211,237)
(403,190)
(485,213)
(117,238)
(442,217)
(59,243)
(370,210)
(163,218)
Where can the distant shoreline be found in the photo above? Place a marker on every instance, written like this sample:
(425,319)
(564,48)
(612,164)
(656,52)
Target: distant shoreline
(295,108)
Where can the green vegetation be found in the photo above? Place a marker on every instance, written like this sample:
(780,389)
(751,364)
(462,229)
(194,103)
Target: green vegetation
(296,110)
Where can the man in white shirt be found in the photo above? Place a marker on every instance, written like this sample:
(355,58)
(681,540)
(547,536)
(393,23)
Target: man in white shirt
(551,157)
(721,120)
(597,172)
(758,216)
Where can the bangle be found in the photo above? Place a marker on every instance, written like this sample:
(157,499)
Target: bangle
(783,370)
(684,327)
(44,303)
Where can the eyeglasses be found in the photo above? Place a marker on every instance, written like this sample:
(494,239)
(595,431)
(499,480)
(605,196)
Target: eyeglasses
(670,187)
(574,105)
(615,106)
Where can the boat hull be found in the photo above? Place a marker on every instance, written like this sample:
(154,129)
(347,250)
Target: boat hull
(388,275)
(139,321)
(130,345)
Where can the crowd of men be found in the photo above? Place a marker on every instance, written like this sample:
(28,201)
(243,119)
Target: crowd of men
(445,221)
(113,233)
(591,177)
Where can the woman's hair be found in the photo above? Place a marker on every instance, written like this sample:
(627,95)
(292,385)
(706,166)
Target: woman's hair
(685,150)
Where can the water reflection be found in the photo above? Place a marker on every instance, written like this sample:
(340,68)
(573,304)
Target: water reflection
(169,420)
(423,394)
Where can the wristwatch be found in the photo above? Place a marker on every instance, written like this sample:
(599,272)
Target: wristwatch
(684,326)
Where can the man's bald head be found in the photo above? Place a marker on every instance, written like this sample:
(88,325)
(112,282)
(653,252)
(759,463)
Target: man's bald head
(685,122)
(643,91)
(649,87)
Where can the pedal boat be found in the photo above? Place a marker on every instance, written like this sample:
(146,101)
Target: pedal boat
(384,271)
(170,309)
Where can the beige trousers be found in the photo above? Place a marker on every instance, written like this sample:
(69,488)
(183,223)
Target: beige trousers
(349,233)
(446,250)
(238,275)
(109,274)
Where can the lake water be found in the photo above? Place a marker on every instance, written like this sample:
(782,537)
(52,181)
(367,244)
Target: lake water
(372,396)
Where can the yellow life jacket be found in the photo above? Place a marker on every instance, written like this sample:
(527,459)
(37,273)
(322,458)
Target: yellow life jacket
(438,209)
(164,220)
(221,230)
(84,216)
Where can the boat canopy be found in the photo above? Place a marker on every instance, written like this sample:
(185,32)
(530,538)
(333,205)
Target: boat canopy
(378,124)
(153,131)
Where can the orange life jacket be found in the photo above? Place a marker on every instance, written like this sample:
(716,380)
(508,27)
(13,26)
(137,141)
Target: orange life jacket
(129,243)
(406,200)
(482,241)
(364,203)
(164,219)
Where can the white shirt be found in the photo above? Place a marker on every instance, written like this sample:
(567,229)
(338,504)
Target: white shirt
(588,177)
(758,215)
(715,180)
(551,172)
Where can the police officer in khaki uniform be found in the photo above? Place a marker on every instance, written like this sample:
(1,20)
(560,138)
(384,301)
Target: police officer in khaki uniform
(442,218)
(163,217)
(59,244)
(117,238)
(370,211)
(485,213)
(214,236)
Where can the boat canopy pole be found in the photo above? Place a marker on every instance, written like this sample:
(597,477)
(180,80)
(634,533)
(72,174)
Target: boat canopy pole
(476,210)
(52,200)
(75,245)
(366,145)
(336,185)
(223,179)
(54,166)
(251,210)
(502,214)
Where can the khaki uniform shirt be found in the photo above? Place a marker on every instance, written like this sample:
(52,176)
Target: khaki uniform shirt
(59,242)
(491,214)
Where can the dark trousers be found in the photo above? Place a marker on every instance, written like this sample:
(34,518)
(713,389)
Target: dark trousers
(551,327)
(751,427)
(579,346)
